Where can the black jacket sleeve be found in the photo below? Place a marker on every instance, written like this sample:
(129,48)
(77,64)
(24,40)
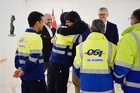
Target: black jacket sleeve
(45,35)
(77,28)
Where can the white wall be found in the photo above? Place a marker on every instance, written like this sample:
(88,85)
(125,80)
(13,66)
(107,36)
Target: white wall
(119,10)
(8,8)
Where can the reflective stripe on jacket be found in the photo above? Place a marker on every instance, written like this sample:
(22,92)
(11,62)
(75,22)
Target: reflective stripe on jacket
(62,51)
(29,55)
(127,61)
(93,62)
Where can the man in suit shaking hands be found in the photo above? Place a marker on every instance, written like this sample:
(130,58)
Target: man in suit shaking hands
(46,34)
(110,28)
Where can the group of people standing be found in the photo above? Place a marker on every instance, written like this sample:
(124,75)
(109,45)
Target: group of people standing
(96,56)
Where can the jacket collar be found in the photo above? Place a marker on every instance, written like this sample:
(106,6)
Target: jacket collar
(135,27)
(30,30)
(96,36)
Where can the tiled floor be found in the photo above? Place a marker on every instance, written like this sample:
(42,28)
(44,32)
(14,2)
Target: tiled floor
(8,84)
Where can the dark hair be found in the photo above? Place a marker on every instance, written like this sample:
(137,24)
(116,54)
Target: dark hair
(72,16)
(34,17)
(98,25)
(136,14)
(62,17)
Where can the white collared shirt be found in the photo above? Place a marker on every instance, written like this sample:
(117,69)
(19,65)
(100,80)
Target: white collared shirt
(105,25)
(49,30)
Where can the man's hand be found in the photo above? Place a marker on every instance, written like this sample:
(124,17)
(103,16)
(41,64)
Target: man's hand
(53,40)
(18,73)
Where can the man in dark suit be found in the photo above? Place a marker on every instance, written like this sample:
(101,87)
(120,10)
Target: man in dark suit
(46,34)
(110,28)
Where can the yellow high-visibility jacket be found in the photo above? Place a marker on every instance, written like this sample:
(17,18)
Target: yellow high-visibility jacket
(29,55)
(93,62)
(62,51)
(127,61)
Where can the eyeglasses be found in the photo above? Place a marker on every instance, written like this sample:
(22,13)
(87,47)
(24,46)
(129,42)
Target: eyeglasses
(101,14)
(130,18)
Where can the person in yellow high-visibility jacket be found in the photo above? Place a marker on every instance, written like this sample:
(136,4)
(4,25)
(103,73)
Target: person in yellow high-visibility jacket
(29,61)
(94,60)
(61,58)
(127,60)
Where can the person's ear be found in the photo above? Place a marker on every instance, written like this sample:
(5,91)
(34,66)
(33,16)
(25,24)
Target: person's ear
(135,20)
(104,32)
(107,15)
(37,23)
(91,30)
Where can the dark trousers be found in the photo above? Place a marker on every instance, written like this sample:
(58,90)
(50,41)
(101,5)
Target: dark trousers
(58,78)
(46,65)
(37,86)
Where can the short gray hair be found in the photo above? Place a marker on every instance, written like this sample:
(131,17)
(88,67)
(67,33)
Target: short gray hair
(103,8)
(98,26)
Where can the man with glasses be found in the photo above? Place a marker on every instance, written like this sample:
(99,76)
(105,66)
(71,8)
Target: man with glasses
(127,60)
(111,31)
(92,64)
